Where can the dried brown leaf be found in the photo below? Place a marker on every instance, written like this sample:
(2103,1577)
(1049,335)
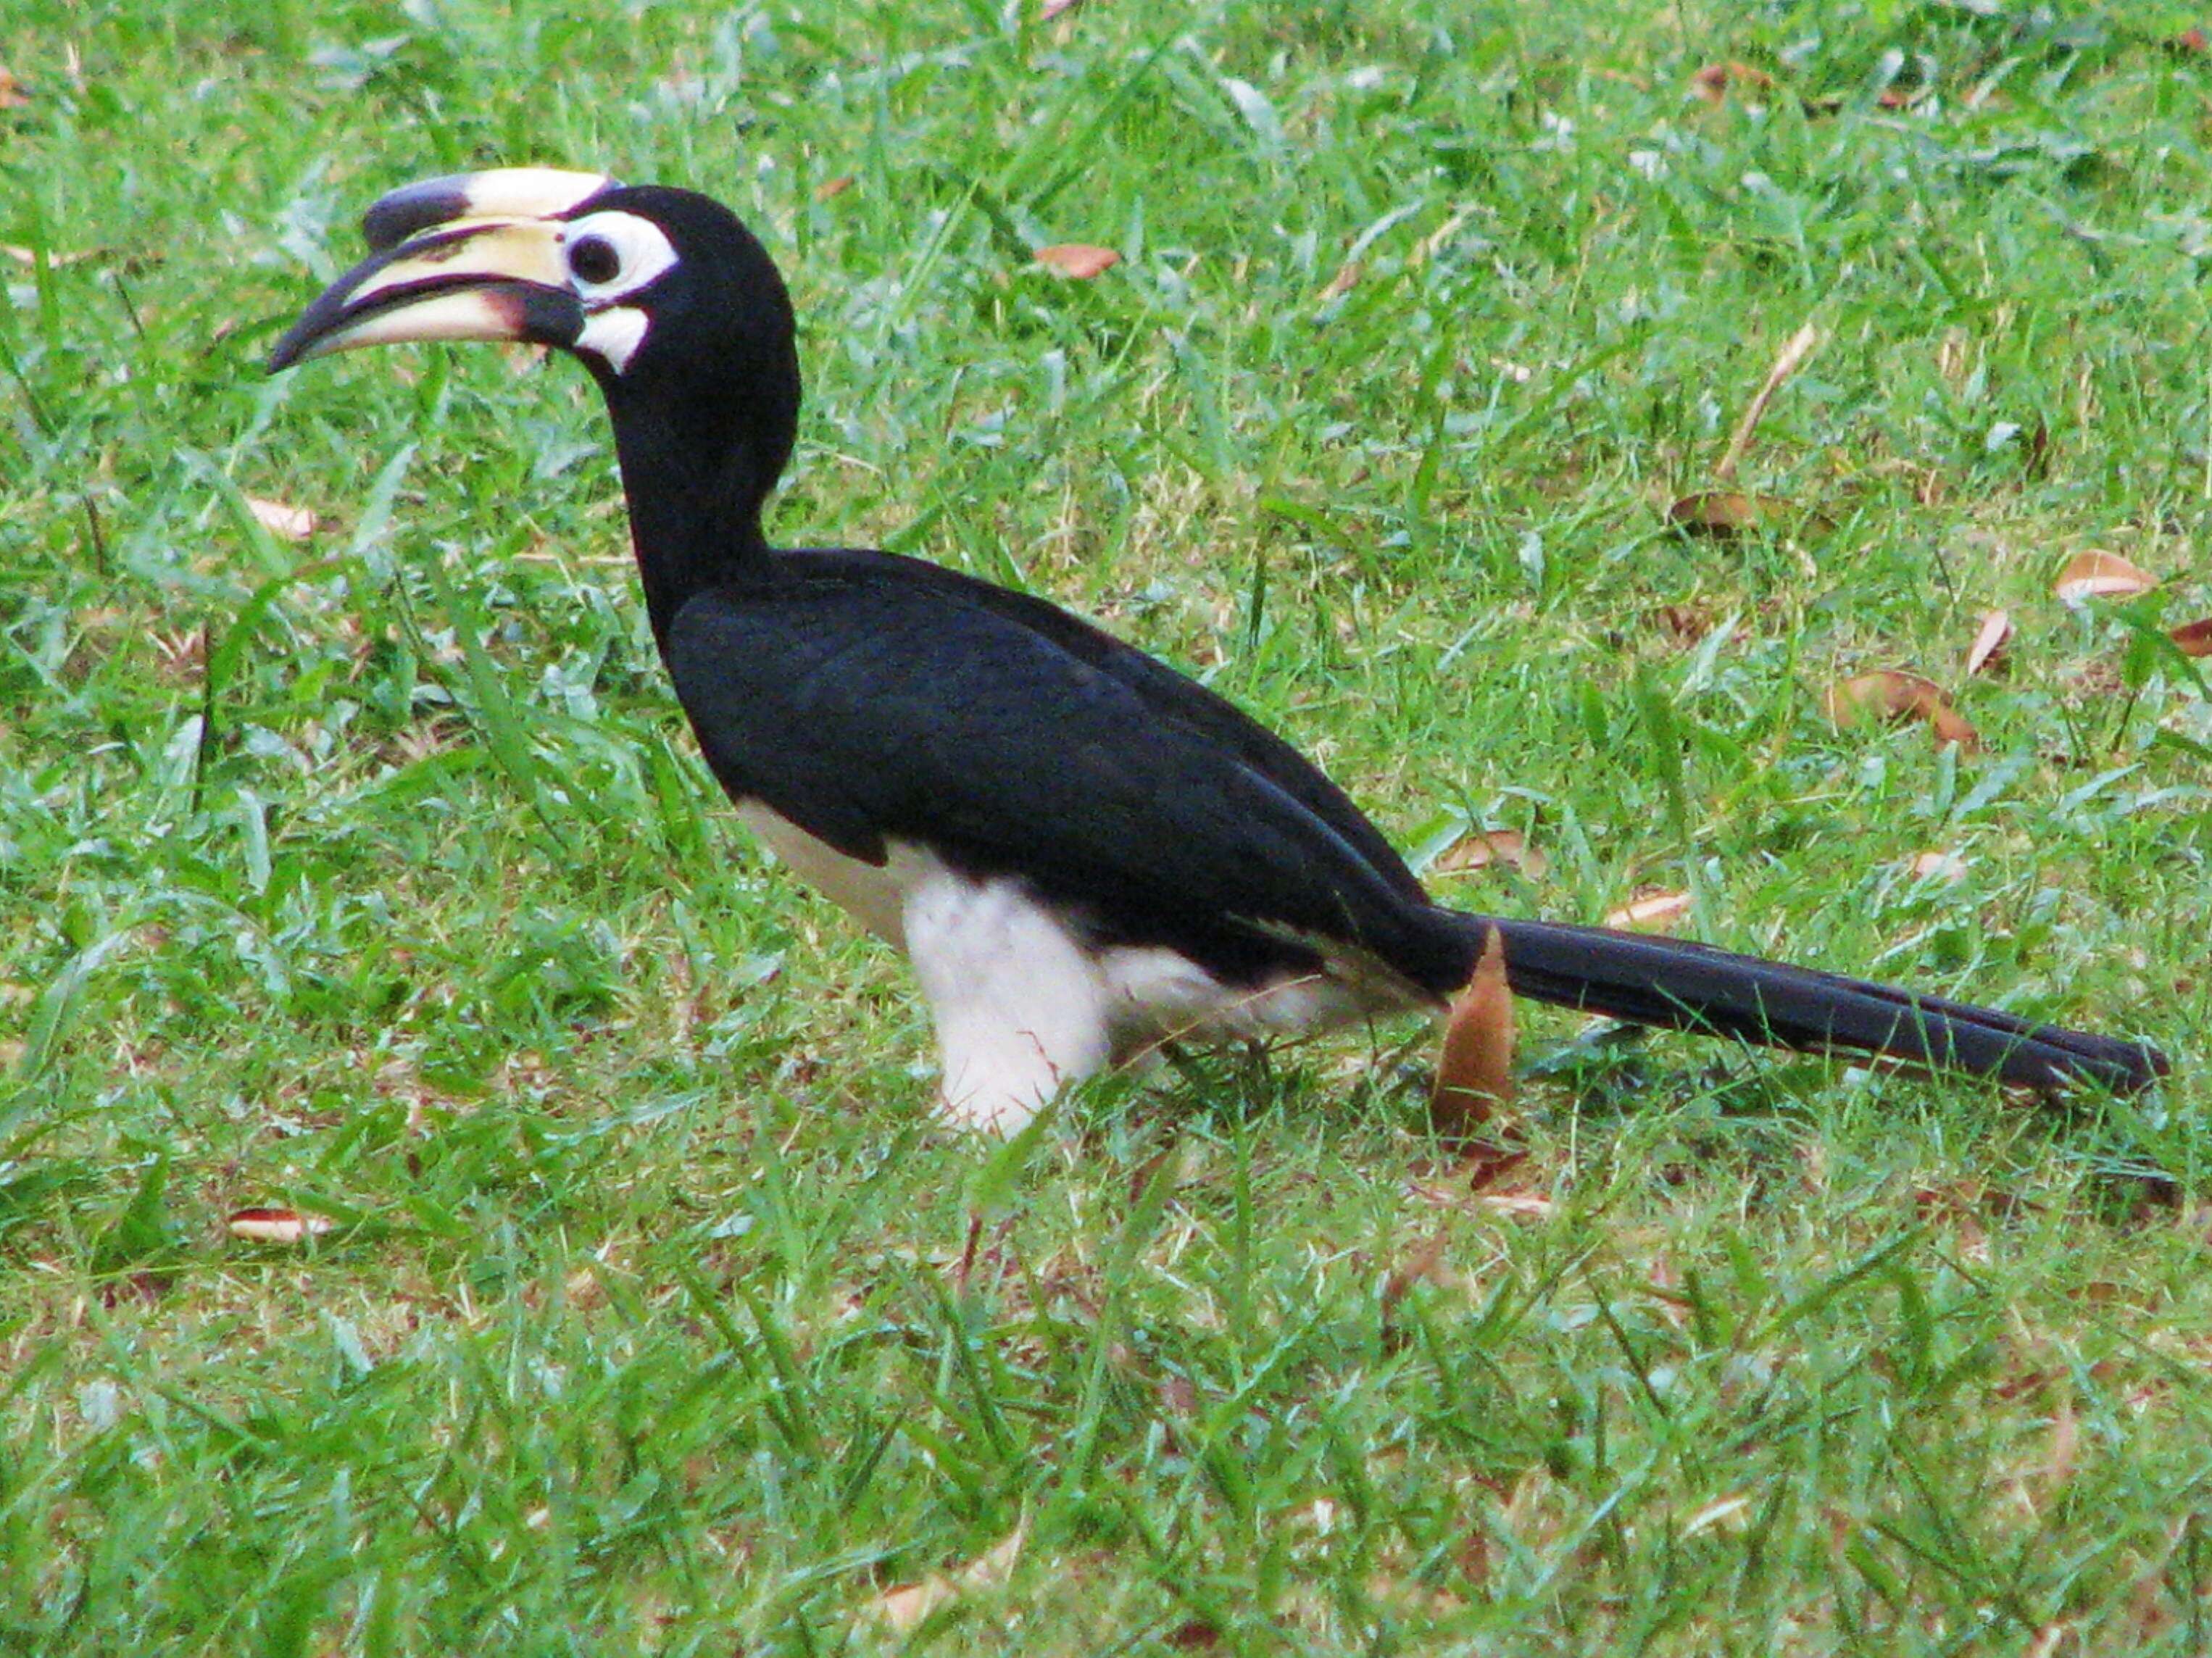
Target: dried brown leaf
(1656,910)
(1722,513)
(2065,1443)
(14,94)
(2194,638)
(1719,1512)
(1487,847)
(1787,361)
(1474,1073)
(904,1608)
(830,189)
(1347,278)
(2097,574)
(1534,1204)
(1990,641)
(1420,1268)
(1488,1163)
(1946,866)
(285,523)
(1951,726)
(991,1568)
(1891,693)
(275,1225)
(1712,82)
(22,255)
(1078,259)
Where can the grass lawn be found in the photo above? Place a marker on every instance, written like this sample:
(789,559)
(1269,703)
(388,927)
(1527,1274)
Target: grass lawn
(366,870)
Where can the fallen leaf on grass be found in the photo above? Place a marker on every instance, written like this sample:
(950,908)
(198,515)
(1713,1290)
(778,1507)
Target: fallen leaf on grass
(2100,575)
(1468,1176)
(830,189)
(1712,82)
(1688,624)
(1531,1203)
(277,1225)
(1722,513)
(1475,1074)
(22,255)
(1078,259)
(1787,361)
(1990,642)
(1940,866)
(1420,1268)
(285,523)
(1894,695)
(1487,847)
(1656,910)
(1347,278)
(1715,1514)
(2194,638)
(2065,1443)
(13,93)
(904,1608)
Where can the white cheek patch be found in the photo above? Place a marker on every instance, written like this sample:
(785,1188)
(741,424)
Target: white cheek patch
(613,335)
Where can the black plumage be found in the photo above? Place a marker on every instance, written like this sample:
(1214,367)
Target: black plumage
(1085,852)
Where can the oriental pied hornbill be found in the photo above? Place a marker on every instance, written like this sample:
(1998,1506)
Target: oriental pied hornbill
(1084,852)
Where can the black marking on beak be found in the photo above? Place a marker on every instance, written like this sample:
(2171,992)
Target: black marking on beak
(391,219)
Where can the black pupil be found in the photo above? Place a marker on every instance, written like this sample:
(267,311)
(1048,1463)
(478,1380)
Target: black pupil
(594,259)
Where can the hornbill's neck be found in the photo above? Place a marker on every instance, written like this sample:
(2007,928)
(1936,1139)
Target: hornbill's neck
(698,460)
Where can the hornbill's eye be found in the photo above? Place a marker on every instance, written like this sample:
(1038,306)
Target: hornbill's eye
(594,260)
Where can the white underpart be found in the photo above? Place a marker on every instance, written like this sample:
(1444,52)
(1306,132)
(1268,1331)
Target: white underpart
(613,335)
(873,894)
(1022,1005)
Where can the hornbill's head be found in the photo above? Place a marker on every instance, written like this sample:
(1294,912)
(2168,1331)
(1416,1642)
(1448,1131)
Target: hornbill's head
(671,303)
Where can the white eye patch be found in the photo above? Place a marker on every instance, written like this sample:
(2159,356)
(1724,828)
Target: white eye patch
(611,255)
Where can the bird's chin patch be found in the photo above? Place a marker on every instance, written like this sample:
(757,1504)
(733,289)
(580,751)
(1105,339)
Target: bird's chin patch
(613,335)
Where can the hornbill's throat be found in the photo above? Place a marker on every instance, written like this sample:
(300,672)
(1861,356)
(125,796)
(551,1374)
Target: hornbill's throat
(474,256)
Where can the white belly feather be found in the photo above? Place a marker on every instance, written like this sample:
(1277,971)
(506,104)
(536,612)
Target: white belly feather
(1022,1005)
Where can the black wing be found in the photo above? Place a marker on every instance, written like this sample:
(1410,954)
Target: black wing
(1170,694)
(869,707)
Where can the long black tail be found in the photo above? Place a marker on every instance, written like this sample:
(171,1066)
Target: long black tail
(1690,986)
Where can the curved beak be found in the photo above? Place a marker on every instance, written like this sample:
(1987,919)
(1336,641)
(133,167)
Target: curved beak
(475,257)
